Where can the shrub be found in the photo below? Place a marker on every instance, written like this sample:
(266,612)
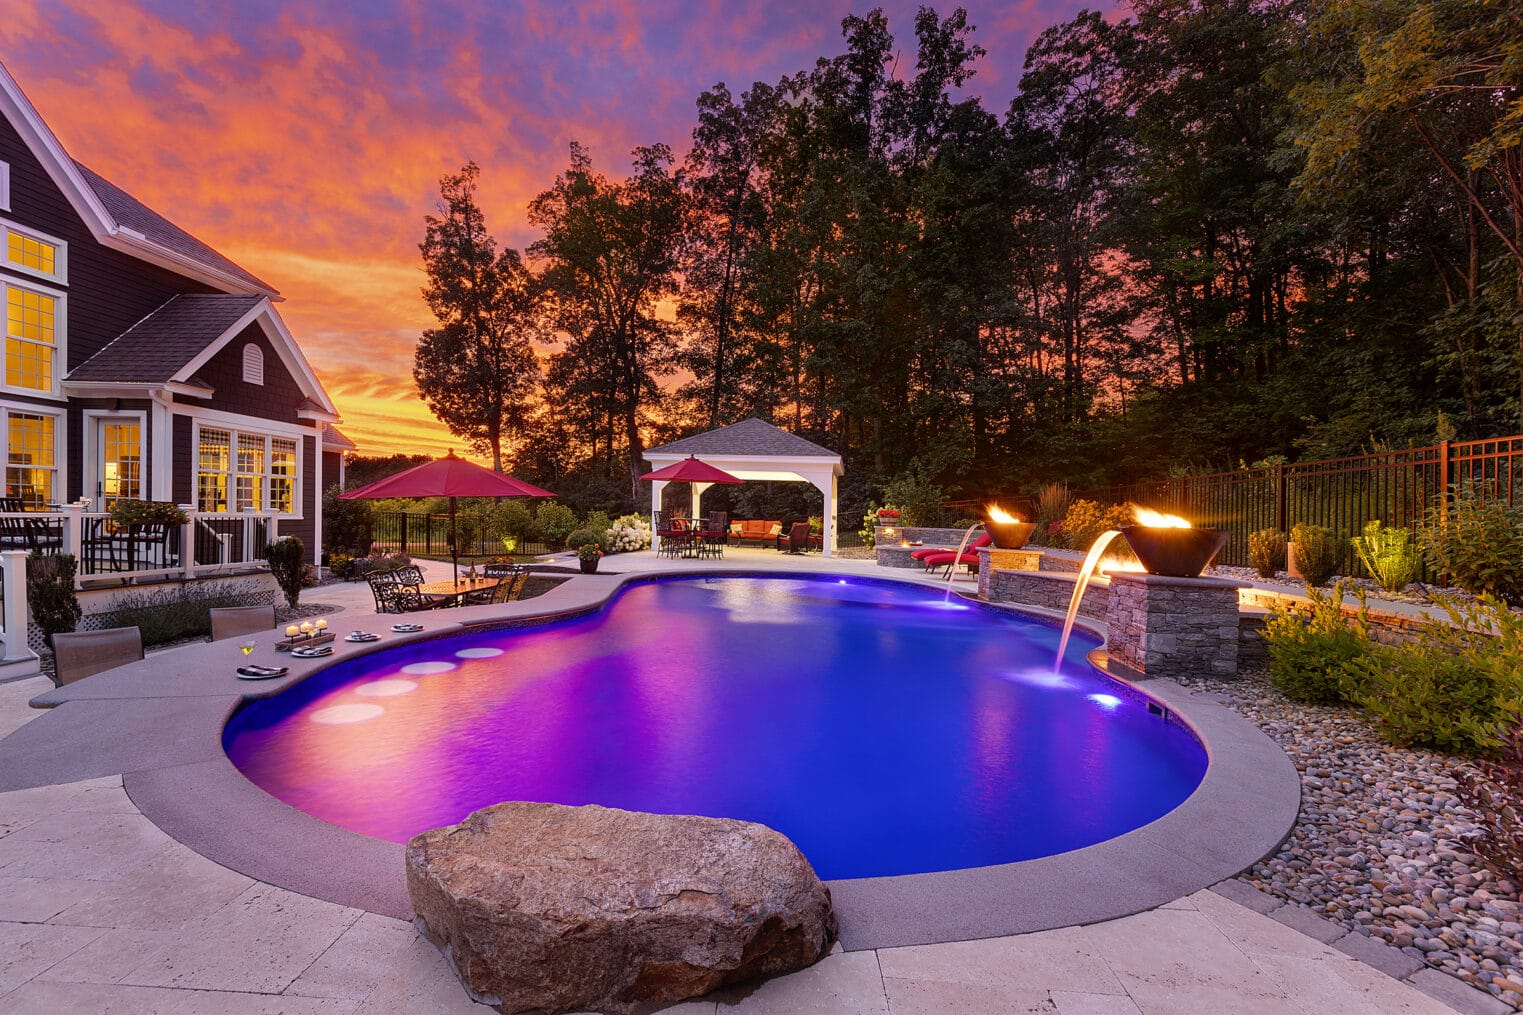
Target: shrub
(581,537)
(627,533)
(555,522)
(1478,543)
(598,521)
(1458,688)
(1266,551)
(346,524)
(285,559)
(511,519)
(382,561)
(176,612)
(342,565)
(50,592)
(1494,790)
(1310,651)
(1087,519)
(1052,502)
(917,497)
(1390,556)
(1319,552)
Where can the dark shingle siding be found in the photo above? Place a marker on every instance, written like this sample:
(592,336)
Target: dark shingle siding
(748,437)
(158,347)
(134,214)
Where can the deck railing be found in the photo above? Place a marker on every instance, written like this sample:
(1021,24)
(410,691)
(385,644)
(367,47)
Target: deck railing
(208,543)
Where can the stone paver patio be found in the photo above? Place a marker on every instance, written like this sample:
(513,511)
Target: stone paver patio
(101,911)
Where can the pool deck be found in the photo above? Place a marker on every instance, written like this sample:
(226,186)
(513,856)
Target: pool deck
(113,802)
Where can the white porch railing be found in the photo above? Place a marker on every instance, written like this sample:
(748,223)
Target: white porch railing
(208,543)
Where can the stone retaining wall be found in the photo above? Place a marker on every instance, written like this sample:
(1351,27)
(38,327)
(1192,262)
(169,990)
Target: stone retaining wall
(1179,627)
(1052,591)
(1387,626)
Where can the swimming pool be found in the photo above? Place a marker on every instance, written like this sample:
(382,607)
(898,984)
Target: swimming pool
(882,729)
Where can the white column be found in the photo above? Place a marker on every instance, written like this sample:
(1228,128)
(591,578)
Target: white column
(188,541)
(161,448)
(14,564)
(74,536)
(827,515)
(656,486)
(698,489)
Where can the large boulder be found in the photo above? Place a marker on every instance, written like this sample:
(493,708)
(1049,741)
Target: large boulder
(555,909)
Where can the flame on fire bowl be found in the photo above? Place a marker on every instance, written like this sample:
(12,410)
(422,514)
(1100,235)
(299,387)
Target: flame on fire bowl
(1174,552)
(1006,531)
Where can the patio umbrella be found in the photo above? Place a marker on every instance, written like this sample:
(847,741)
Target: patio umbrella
(691,470)
(447,477)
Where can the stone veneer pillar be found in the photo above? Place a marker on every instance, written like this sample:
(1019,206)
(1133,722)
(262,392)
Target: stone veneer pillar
(1173,627)
(992,558)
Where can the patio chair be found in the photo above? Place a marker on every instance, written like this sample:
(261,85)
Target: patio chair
(499,570)
(510,590)
(382,585)
(797,539)
(80,654)
(232,621)
(407,599)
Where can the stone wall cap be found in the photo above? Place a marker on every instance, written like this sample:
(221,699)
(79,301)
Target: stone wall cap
(1143,578)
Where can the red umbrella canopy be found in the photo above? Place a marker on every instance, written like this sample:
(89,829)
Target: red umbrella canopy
(447,477)
(691,470)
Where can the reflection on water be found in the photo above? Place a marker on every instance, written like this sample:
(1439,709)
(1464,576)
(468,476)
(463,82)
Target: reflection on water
(881,731)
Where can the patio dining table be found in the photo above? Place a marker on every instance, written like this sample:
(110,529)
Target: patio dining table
(458,588)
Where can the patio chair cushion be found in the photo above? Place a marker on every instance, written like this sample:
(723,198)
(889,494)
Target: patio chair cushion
(231,621)
(81,654)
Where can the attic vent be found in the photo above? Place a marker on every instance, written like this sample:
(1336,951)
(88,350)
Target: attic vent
(253,364)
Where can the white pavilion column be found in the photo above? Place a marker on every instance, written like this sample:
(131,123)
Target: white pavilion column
(827,488)
(656,486)
(698,489)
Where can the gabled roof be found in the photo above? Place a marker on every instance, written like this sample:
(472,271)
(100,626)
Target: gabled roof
(157,348)
(166,348)
(335,441)
(115,218)
(133,214)
(748,437)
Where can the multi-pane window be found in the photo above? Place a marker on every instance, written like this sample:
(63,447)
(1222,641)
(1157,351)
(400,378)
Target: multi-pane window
(30,465)
(30,252)
(30,338)
(245,470)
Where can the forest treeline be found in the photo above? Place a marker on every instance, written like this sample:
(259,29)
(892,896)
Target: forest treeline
(1209,233)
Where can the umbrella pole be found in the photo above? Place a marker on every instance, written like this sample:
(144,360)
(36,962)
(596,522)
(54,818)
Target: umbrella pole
(454,542)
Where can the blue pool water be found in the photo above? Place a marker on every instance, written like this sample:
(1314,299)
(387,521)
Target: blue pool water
(882,729)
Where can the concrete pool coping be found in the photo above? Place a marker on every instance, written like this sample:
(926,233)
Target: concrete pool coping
(159,722)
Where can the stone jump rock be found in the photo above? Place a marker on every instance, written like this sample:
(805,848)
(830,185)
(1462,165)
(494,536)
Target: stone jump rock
(544,908)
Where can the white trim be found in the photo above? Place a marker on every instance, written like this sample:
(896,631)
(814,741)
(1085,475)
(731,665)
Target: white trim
(317,497)
(5,186)
(132,389)
(245,429)
(60,336)
(223,420)
(60,273)
(281,341)
(90,475)
(162,434)
(41,141)
(60,442)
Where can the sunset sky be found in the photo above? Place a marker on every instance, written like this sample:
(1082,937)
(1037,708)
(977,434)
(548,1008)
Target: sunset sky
(306,140)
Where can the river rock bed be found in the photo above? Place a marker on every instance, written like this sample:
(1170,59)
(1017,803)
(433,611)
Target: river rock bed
(1381,845)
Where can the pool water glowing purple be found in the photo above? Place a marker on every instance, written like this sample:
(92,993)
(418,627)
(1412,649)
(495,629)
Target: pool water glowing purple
(883,730)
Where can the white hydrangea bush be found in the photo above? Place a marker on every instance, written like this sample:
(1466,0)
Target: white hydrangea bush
(627,534)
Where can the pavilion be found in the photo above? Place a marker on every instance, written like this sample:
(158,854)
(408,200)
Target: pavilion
(754,449)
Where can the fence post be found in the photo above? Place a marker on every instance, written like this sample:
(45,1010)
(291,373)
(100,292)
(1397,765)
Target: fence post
(73,536)
(1279,497)
(1443,469)
(14,588)
(188,541)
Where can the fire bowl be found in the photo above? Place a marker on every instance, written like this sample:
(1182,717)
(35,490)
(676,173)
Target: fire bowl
(1009,535)
(1175,553)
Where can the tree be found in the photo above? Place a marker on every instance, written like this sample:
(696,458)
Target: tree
(477,370)
(610,252)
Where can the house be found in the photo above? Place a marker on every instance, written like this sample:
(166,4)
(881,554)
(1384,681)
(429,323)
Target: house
(138,361)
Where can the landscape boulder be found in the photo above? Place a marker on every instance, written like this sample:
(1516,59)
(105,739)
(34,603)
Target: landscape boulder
(545,908)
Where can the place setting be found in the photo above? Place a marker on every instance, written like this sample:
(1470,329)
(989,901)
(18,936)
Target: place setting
(361,637)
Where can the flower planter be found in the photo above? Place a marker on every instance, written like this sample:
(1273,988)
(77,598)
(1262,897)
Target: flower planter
(589,566)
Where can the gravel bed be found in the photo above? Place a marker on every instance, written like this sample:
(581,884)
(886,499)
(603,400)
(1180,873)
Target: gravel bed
(1381,845)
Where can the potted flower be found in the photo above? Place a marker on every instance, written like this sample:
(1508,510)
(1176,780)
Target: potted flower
(127,513)
(588,554)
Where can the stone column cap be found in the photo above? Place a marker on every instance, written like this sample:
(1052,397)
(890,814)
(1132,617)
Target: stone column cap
(1143,578)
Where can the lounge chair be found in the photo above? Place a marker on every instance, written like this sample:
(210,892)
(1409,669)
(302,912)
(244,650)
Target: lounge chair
(949,558)
(80,654)
(797,539)
(232,621)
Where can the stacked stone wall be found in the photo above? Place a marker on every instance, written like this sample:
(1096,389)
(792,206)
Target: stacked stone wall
(1178,627)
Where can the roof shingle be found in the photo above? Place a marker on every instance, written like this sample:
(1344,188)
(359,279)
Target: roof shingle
(159,346)
(135,215)
(748,437)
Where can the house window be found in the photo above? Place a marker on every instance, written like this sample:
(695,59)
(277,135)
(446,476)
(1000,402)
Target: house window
(33,253)
(253,364)
(31,469)
(30,338)
(237,470)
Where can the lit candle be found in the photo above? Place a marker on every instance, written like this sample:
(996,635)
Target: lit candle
(291,631)
(306,627)
(322,623)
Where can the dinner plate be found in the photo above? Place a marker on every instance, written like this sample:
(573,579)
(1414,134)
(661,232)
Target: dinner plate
(406,628)
(362,636)
(312,651)
(261,672)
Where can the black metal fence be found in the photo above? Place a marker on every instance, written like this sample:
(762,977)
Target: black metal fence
(1396,488)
